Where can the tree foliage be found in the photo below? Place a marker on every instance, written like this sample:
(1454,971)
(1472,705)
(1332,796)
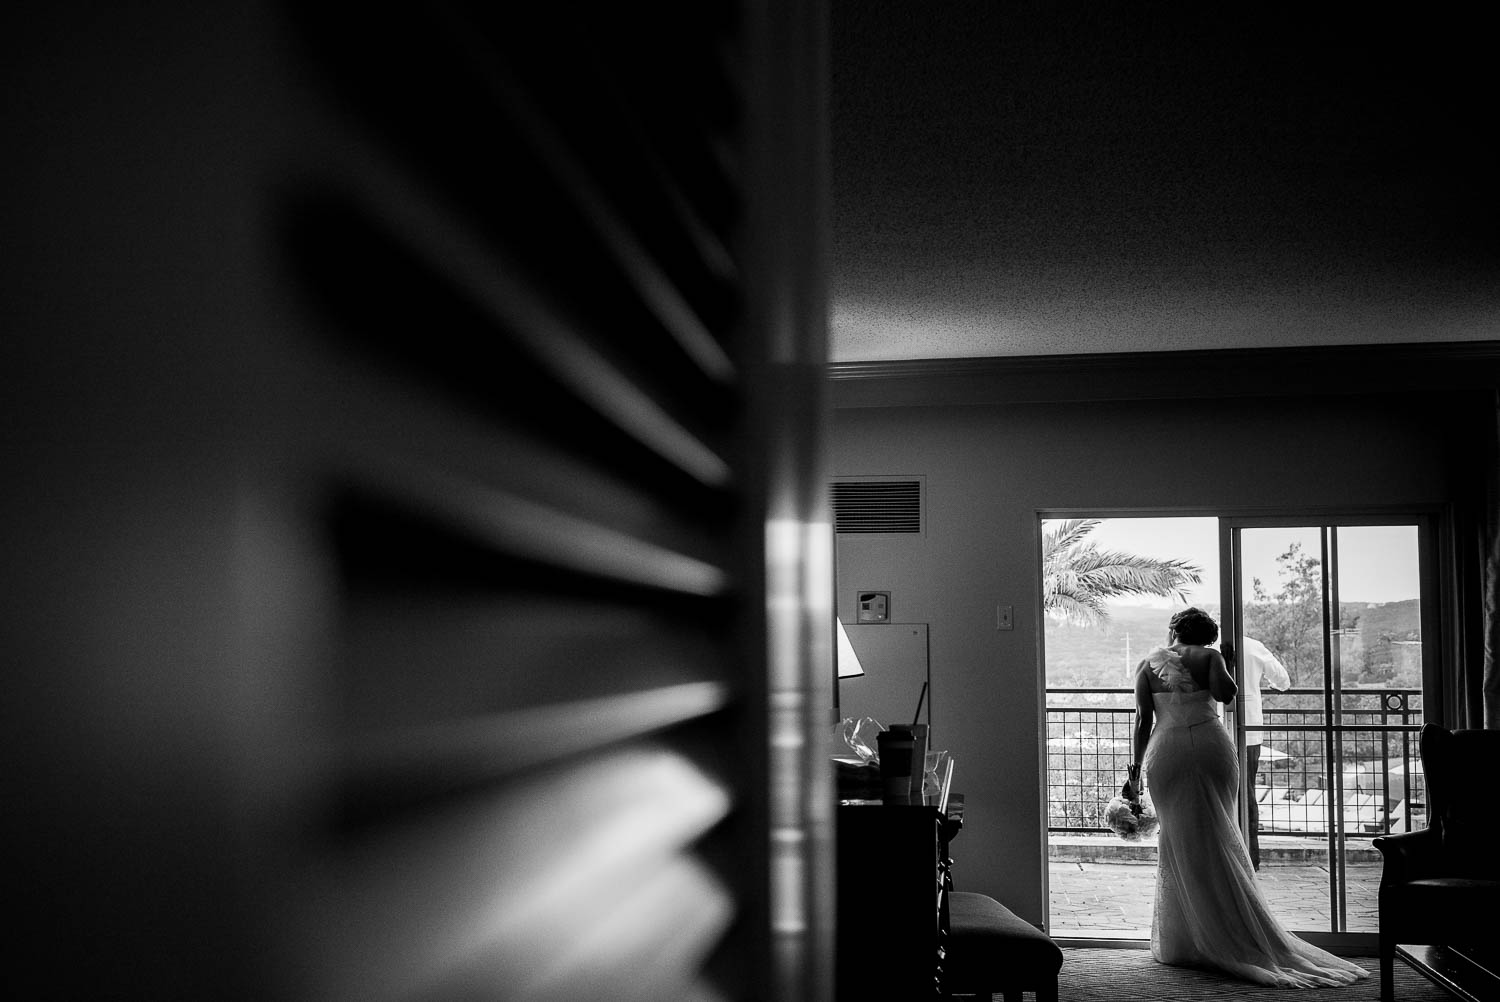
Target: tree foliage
(1291,621)
(1078,578)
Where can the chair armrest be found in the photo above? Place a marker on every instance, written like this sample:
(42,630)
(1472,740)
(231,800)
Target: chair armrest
(1409,855)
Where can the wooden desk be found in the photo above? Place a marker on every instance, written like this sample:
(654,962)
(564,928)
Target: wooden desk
(892,880)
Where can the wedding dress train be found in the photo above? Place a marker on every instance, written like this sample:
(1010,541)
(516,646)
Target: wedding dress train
(1209,908)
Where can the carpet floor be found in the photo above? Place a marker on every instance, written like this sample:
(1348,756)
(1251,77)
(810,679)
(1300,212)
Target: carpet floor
(1117,975)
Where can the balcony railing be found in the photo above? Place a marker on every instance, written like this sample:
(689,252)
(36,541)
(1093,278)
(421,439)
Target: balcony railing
(1375,779)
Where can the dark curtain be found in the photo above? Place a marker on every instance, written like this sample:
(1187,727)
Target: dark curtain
(1474,623)
(1489,715)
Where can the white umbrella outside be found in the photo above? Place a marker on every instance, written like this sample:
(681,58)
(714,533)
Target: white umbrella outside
(1084,742)
(1367,776)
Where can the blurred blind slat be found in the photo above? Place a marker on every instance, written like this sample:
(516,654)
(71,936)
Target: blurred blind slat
(403,213)
(386,493)
(524,892)
(534,646)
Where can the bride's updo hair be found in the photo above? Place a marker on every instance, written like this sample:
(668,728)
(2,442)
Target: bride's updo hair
(1194,626)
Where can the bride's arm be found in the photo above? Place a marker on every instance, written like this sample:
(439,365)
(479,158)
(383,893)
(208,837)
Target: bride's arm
(1220,683)
(1145,709)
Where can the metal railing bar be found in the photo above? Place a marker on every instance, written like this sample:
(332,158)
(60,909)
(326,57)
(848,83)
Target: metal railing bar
(1089,745)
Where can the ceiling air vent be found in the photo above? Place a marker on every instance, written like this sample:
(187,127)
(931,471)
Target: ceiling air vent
(891,504)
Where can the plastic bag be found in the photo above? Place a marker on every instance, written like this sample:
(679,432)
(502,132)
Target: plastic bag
(858,735)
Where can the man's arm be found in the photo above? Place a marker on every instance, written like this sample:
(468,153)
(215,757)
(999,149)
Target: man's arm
(1272,671)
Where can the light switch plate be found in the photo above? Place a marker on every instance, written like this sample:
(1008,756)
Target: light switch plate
(1004,620)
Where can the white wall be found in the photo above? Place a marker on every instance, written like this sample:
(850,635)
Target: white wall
(990,468)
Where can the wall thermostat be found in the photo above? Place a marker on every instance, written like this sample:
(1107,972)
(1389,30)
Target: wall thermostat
(874,606)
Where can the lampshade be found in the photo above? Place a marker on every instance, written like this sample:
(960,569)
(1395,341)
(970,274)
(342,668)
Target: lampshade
(849,666)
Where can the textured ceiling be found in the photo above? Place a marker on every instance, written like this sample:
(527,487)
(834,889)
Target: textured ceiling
(1015,179)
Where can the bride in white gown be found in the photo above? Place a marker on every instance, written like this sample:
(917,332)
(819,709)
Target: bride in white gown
(1209,910)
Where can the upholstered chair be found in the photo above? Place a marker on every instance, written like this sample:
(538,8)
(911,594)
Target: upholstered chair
(1441,885)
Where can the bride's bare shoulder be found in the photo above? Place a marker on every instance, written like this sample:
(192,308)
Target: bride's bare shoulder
(1195,656)
(1148,673)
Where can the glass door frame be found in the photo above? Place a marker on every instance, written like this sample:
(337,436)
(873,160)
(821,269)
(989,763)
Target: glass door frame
(1428,522)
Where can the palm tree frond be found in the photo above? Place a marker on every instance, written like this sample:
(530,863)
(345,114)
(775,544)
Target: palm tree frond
(1078,577)
(1069,532)
(1071,609)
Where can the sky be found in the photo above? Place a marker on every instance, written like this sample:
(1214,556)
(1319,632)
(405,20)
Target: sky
(1376,563)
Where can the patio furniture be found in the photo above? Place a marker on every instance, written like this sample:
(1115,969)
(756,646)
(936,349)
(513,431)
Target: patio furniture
(1288,810)
(1441,885)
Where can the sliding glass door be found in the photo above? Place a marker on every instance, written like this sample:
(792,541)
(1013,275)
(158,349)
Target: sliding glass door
(1334,622)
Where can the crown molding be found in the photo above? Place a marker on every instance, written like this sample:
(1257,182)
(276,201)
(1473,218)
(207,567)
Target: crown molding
(1298,371)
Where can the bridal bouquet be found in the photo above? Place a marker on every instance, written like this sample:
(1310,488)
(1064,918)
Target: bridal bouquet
(1131,819)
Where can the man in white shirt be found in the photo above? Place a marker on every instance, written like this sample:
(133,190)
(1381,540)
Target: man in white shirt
(1261,668)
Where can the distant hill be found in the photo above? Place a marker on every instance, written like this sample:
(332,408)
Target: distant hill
(1106,655)
(1392,620)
